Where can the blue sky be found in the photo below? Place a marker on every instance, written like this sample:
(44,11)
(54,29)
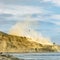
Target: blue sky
(45,12)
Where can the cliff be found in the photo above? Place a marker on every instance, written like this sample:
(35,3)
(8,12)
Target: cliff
(11,43)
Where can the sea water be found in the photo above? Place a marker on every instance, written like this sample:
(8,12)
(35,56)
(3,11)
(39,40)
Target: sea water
(38,56)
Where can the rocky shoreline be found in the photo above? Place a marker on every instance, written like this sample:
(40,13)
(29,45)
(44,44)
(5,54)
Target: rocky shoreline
(8,57)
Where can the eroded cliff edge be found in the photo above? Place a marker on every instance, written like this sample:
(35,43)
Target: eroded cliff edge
(11,43)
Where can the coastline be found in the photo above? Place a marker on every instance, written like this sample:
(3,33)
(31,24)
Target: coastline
(8,57)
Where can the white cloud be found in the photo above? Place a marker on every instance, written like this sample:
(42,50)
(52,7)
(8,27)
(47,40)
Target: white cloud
(46,0)
(56,2)
(21,10)
(53,18)
(56,17)
(57,23)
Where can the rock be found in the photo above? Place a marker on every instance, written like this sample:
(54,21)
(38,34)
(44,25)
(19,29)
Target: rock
(12,43)
(8,57)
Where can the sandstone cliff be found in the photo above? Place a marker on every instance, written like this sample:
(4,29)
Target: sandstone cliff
(11,43)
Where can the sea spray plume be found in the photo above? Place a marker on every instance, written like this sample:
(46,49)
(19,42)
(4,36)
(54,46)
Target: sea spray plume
(24,29)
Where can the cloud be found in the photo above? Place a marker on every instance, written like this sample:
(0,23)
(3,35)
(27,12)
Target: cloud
(46,0)
(56,16)
(6,15)
(21,12)
(20,9)
(20,2)
(56,22)
(55,2)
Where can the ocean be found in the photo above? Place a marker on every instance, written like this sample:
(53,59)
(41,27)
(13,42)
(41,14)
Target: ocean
(38,56)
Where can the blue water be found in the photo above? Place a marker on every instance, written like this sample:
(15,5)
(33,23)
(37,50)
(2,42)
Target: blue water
(38,56)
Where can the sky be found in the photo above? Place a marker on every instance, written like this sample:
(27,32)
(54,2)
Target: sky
(45,12)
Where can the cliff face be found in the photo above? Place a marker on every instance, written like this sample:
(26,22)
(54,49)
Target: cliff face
(11,43)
